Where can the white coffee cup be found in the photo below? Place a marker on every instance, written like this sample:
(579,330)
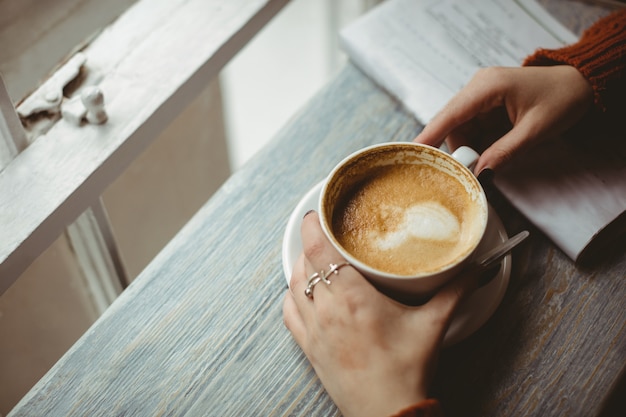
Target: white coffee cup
(408,216)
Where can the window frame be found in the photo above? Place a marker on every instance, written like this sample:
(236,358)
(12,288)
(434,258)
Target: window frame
(150,64)
(12,136)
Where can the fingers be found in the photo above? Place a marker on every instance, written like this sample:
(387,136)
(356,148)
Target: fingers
(292,309)
(535,104)
(297,307)
(317,256)
(317,249)
(293,320)
(299,281)
(477,117)
(523,136)
(461,136)
(319,253)
(498,147)
(478,96)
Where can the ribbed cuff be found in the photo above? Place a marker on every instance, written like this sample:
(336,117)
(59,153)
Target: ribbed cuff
(599,55)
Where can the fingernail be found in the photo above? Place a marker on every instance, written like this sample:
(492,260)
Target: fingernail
(307,213)
(485,177)
(488,276)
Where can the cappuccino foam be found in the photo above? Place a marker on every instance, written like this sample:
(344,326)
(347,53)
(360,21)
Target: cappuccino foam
(406,219)
(427,220)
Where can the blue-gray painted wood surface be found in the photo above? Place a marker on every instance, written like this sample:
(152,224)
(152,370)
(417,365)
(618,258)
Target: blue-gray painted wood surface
(200,332)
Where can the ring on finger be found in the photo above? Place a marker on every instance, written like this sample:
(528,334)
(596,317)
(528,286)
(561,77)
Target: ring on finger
(316,277)
(334,269)
(313,281)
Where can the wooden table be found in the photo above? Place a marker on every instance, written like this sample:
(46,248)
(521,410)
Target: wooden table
(200,331)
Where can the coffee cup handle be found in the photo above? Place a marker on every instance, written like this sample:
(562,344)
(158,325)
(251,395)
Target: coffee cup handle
(466,155)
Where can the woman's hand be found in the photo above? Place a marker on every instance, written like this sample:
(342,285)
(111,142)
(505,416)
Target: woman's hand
(373,355)
(503,111)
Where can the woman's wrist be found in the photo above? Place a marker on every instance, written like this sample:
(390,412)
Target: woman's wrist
(598,56)
(426,408)
(380,402)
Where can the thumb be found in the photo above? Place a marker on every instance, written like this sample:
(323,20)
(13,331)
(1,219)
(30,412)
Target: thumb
(521,137)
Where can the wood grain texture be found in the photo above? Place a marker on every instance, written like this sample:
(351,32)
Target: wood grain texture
(557,344)
(200,332)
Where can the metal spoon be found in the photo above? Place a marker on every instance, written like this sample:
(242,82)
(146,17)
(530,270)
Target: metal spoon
(495,255)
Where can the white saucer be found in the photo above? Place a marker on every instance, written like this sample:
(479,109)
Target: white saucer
(472,313)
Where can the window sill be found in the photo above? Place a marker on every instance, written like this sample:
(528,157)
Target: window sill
(149,64)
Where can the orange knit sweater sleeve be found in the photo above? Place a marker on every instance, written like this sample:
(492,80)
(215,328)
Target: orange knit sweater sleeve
(600,56)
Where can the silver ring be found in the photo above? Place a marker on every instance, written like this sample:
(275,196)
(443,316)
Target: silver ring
(316,277)
(312,277)
(313,281)
(334,269)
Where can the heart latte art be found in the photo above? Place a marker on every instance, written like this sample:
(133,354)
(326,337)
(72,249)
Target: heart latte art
(423,221)
(406,219)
